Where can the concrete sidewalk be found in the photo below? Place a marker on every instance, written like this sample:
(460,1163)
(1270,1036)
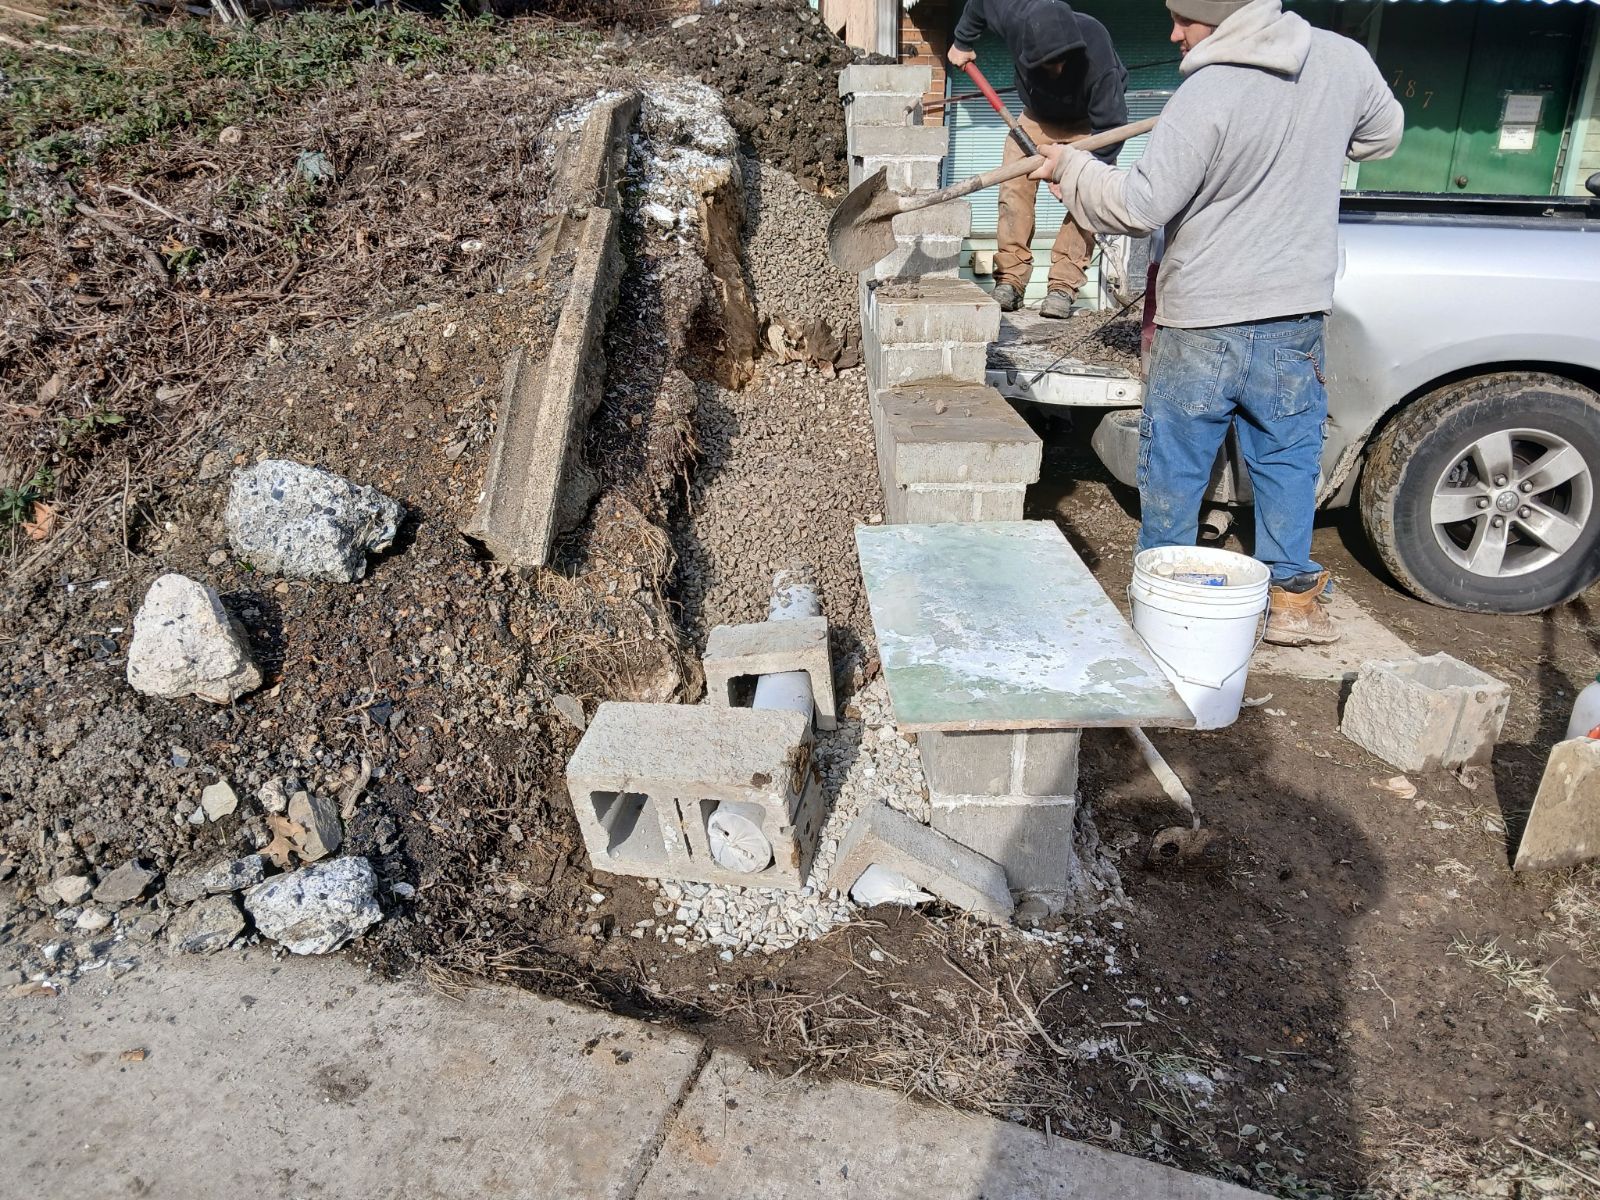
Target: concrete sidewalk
(307,1077)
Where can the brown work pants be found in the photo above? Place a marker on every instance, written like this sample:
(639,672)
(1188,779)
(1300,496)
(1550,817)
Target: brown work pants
(1013,260)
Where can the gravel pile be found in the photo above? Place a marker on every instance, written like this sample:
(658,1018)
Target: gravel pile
(786,471)
(863,761)
(786,251)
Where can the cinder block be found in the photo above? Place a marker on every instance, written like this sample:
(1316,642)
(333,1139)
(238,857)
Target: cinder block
(1031,838)
(738,652)
(934,863)
(1564,827)
(1427,713)
(646,778)
(919,257)
(883,108)
(901,363)
(904,176)
(953,218)
(931,504)
(934,310)
(897,141)
(1000,764)
(946,433)
(909,81)
(998,503)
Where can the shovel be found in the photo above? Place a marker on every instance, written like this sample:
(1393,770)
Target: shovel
(999,106)
(862,228)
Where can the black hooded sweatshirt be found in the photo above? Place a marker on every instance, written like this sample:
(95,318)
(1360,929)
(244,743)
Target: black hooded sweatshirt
(1040,31)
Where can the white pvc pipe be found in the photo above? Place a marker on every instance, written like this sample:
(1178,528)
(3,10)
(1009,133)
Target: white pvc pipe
(793,595)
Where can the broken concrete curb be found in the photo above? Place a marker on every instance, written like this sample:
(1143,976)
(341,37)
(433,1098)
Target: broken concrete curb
(959,876)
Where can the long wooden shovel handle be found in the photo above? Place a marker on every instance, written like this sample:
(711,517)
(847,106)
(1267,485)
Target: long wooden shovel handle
(1023,166)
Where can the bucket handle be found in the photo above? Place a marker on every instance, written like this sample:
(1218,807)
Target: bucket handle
(1261,633)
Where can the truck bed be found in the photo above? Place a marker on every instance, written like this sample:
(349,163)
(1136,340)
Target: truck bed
(1089,361)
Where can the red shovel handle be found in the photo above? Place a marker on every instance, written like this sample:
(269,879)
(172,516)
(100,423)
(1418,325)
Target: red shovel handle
(993,97)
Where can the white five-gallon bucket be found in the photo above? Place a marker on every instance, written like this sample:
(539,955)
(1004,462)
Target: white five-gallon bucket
(1201,613)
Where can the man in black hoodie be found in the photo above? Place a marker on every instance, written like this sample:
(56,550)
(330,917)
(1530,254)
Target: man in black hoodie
(1071,84)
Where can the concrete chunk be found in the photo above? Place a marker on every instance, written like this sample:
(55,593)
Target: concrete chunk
(1564,826)
(908,81)
(187,886)
(957,875)
(319,817)
(1030,837)
(646,780)
(734,652)
(1426,713)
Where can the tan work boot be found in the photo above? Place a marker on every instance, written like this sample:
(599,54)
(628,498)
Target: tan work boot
(1298,620)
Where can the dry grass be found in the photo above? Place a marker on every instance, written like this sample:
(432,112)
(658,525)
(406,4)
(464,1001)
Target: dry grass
(1574,905)
(1518,975)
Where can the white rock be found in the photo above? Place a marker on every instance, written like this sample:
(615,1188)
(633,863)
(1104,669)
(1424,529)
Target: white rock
(93,920)
(185,644)
(319,908)
(219,800)
(73,889)
(287,518)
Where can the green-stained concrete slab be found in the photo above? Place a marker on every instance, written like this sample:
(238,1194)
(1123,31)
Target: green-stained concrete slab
(1000,626)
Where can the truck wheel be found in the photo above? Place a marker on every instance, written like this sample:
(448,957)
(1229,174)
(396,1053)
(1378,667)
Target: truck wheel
(1482,495)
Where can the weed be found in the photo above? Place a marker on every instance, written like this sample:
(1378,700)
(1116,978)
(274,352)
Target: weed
(74,434)
(16,503)
(1519,975)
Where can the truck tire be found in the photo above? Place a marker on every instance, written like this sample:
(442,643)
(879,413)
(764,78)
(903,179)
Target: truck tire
(1485,495)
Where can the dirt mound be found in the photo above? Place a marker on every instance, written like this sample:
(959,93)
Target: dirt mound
(778,66)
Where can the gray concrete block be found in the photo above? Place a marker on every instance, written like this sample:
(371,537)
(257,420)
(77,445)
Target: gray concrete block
(904,176)
(882,108)
(897,141)
(1010,764)
(935,504)
(1425,714)
(738,652)
(950,219)
(909,81)
(646,777)
(946,433)
(934,863)
(958,362)
(918,257)
(998,503)
(1031,838)
(933,311)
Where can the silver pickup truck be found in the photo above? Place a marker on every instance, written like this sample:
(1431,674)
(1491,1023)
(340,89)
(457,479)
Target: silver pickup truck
(1463,396)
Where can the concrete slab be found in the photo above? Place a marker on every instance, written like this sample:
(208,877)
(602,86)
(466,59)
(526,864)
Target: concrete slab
(307,1078)
(742,1134)
(999,625)
(1363,639)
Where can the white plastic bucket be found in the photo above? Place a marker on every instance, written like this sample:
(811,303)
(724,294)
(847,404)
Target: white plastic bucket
(1202,633)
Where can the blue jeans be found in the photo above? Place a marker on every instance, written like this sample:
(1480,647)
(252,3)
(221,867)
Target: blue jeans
(1263,379)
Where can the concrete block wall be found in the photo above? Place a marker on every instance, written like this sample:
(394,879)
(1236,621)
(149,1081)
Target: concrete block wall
(952,449)
(1011,796)
(883,128)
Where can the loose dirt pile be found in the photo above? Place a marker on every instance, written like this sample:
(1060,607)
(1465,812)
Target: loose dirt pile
(778,66)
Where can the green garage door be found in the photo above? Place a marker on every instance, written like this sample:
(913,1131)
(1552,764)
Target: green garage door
(1486,90)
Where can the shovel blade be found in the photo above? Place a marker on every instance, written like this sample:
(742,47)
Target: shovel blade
(861,231)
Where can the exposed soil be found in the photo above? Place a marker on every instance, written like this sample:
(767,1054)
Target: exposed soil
(778,67)
(1311,1010)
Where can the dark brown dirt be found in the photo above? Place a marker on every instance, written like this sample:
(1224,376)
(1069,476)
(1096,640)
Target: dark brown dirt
(778,67)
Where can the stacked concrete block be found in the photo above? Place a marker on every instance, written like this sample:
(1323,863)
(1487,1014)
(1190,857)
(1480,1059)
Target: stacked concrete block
(883,127)
(1425,714)
(740,654)
(953,452)
(889,839)
(1011,796)
(910,156)
(938,328)
(647,778)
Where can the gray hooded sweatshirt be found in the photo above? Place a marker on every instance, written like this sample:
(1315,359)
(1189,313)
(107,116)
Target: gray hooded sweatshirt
(1244,167)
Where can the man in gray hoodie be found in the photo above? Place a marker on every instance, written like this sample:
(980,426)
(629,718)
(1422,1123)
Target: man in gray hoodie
(1243,175)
